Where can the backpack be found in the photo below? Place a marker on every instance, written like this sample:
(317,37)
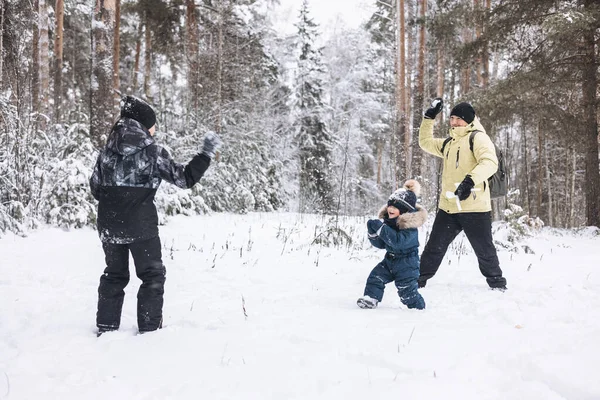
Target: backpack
(498,183)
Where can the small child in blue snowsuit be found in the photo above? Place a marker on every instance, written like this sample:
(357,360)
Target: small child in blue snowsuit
(396,232)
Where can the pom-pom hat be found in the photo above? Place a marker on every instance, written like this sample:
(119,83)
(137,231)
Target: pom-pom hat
(405,198)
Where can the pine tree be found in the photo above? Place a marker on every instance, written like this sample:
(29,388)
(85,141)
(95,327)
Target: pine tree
(552,88)
(315,142)
(383,87)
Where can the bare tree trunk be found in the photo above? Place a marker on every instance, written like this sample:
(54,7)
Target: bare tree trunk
(116,50)
(147,59)
(44,62)
(478,31)
(192,54)
(35,75)
(485,58)
(551,220)
(101,111)
(527,172)
(218,126)
(379,161)
(466,72)
(440,73)
(58,58)
(540,170)
(419,95)
(401,90)
(136,63)
(1,43)
(572,155)
(590,106)
(412,47)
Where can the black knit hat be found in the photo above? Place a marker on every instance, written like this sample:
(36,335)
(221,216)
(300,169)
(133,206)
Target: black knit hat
(135,108)
(405,198)
(464,111)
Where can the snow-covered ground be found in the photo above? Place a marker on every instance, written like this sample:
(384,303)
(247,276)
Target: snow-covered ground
(303,336)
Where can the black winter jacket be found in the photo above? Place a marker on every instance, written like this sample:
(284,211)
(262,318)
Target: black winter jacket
(127,174)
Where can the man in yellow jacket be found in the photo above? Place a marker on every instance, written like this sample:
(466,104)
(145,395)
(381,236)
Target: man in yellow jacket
(465,203)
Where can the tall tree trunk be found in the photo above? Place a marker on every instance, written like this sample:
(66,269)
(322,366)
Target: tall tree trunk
(116,83)
(1,43)
(454,73)
(101,103)
(573,154)
(590,118)
(441,66)
(478,31)
(412,48)
(540,169)
(401,91)
(147,59)
(549,186)
(44,62)
(527,172)
(379,161)
(485,57)
(192,55)
(136,62)
(218,125)
(466,72)
(58,58)
(419,95)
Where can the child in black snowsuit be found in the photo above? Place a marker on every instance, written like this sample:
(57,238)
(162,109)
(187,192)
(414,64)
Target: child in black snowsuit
(396,232)
(126,176)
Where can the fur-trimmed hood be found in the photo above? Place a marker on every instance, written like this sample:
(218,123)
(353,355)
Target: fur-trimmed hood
(408,220)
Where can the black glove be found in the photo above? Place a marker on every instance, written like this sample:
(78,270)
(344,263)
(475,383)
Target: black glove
(373,225)
(434,109)
(463,191)
(212,142)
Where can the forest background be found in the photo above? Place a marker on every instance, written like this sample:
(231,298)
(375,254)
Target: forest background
(312,123)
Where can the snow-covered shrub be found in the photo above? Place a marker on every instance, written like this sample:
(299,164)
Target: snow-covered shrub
(66,199)
(10,215)
(588,231)
(68,202)
(15,167)
(244,178)
(517,226)
(171,200)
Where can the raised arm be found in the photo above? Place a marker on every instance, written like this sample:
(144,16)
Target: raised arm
(426,140)
(188,175)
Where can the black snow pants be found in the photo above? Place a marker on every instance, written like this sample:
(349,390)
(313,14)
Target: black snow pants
(478,229)
(148,267)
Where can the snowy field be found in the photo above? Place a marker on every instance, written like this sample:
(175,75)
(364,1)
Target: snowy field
(253,311)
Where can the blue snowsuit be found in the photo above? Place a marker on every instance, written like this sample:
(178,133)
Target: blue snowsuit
(400,238)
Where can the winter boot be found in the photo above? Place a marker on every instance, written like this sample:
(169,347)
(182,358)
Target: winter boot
(160,326)
(367,302)
(104,329)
